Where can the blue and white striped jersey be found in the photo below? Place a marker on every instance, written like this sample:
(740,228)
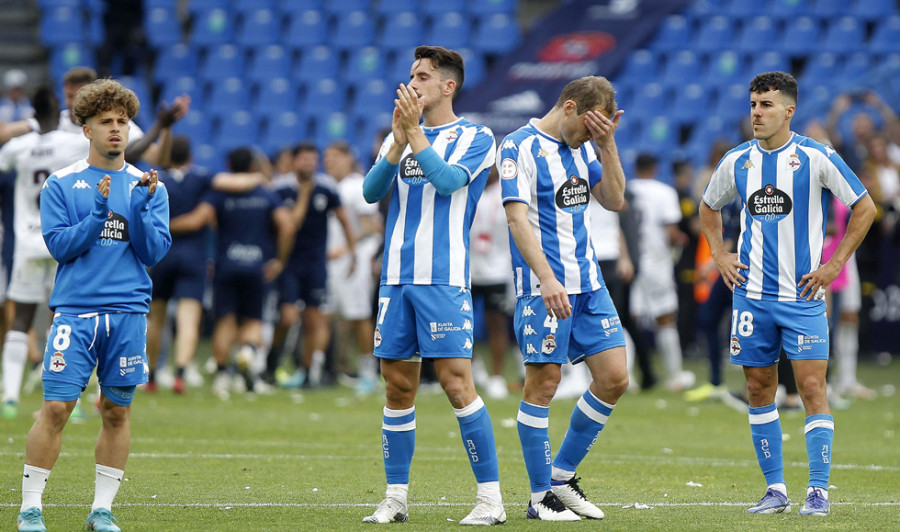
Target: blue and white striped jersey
(554,181)
(785,195)
(427,235)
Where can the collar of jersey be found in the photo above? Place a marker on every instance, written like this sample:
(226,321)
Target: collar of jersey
(776,150)
(442,126)
(533,124)
(105,171)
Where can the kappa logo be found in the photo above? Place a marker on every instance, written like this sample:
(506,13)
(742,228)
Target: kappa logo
(747,165)
(468,344)
(530,350)
(509,145)
(81,183)
(529,330)
(466,307)
(467,325)
(527,311)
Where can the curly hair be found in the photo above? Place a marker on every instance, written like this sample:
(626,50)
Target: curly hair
(775,81)
(101,96)
(588,93)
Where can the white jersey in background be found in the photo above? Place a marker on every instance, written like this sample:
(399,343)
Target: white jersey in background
(489,240)
(67,124)
(34,157)
(659,207)
(604,232)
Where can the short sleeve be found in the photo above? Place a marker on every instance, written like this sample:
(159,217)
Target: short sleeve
(516,171)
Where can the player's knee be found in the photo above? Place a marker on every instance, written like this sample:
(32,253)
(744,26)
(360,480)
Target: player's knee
(56,413)
(811,386)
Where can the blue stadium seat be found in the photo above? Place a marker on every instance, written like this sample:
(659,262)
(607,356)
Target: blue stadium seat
(289,6)
(821,68)
(688,101)
(757,33)
(439,7)
(167,4)
(68,55)
(674,34)
(236,129)
(725,68)
(399,66)
(733,102)
(886,37)
(857,67)
(324,97)
(305,29)
(659,136)
(640,66)
(450,30)
(174,61)
(342,7)
(227,95)
(476,67)
(870,10)
(276,94)
(844,35)
(801,36)
(497,34)
(195,125)
(353,30)
(389,8)
(699,9)
(331,128)
(162,27)
(489,7)
(147,111)
(651,100)
(175,87)
(271,61)
(246,8)
(770,62)
(283,129)
(259,28)
(742,9)
(401,30)
(62,25)
(96,33)
(365,64)
(715,34)
(829,9)
(681,68)
(223,61)
(373,97)
(317,63)
(206,155)
(213,26)
(196,6)
(787,9)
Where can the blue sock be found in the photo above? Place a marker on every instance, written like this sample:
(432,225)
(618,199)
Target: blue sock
(398,441)
(765,429)
(588,418)
(535,438)
(478,438)
(819,431)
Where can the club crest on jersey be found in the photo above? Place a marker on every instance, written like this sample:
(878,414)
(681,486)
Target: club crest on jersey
(115,229)
(57,362)
(377,337)
(508,169)
(573,195)
(735,346)
(410,171)
(452,135)
(794,162)
(769,204)
(548,345)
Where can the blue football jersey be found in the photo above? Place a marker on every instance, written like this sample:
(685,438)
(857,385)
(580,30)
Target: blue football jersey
(785,195)
(309,244)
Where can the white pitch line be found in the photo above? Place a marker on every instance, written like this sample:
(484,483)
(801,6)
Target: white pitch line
(228,505)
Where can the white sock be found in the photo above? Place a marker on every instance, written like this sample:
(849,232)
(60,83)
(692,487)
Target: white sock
(15,356)
(398,492)
(490,491)
(537,496)
(561,474)
(670,345)
(846,351)
(779,487)
(823,491)
(34,480)
(368,368)
(106,485)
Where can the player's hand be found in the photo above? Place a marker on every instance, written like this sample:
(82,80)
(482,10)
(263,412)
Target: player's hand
(625,269)
(410,107)
(149,180)
(103,186)
(556,299)
(730,266)
(818,280)
(400,138)
(272,269)
(602,129)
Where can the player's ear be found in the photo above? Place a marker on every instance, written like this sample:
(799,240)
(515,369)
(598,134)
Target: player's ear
(570,107)
(450,87)
(790,110)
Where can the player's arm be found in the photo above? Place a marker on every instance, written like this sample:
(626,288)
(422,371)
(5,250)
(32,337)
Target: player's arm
(202,215)
(284,239)
(301,207)
(342,218)
(17,129)
(150,236)
(728,264)
(236,183)
(861,218)
(624,266)
(66,241)
(608,188)
(146,147)
(380,177)
(554,294)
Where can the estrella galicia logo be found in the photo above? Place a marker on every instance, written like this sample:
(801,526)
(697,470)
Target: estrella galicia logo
(769,204)
(573,195)
(115,228)
(411,172)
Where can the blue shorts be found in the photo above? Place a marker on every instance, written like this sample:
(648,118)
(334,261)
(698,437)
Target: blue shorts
(431,321)
(179,276)
(759,329)
(593,328)
(240,293)
(305,284)
(114,343)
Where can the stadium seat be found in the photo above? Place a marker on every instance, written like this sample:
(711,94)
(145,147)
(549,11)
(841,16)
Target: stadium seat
(236,129)
(373,97)
(283,129)
(640,66)
(871,10)
(844,35)
(821,68)
(353,30)
(166,4)
(674,34)
(389,8)
(196,6)
(788,9)
(324,97)
(331,128)
(659,136)
(147,111)
(271,61)
(725,68)
(259,28)
(715,34)
(246,8)
(211,27)
(700,9)
(401,30)
(305,29)
(187,84)
(224,61)
(757,33)
(317,63)
(829,9)
(227,95)
(62,25)
(886,37)
(162,27)
(742,9)
(681,68)
(289,6)
(733,102)
(490,7)
(68,55)
(276,94)
(174,61)
(476,68)
(439,7)
(195,125)
(801,36)
(690,99)
(207,156)
(449,30)
(651,101)
(770,62)
(342,7)
(363,65)
(497,34)
(399,66)
(856,67)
